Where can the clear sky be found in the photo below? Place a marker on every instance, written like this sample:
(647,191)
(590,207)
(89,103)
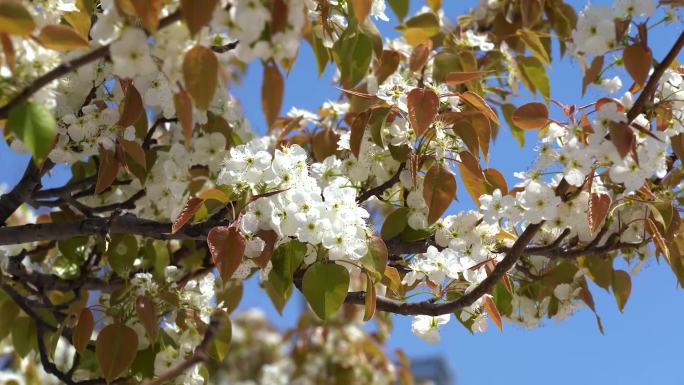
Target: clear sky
(641,345)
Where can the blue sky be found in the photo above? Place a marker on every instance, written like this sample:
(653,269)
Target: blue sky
(641,345)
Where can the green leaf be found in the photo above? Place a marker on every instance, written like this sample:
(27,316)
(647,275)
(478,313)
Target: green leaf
(325,287)
(35,126)
(534,44)
(399,7)
(502,299)
(376,258)
(8,312)
(622,286)
(286,259)
(220,345)
(122,252)
(534,76)
(321,53)
(395,223)
(24,336)
(518,133)
(376,123)
(115,350)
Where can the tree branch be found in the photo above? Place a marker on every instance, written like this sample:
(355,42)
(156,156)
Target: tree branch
(22,191)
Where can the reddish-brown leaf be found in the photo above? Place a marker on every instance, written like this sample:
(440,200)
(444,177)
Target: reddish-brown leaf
(622,137)
(493,312)
(361,9)
(439,190)
(678,145)
(183,105)
(197,14)
(272,90)
(131,107)
(147,314)
(370,300)
(8,50)
(637,59)
(658,238)
(83,330)
(115,350)
(496,180)
(191,206)
(458,78)
(135,151)
(148,10)
(227,246)
(60,37)
(419,57)
(106,173)
(531,116)
(269,237)
(476,101)
(622,287)
(423,105)
(200,73)
(325,144)
(389,62)
(358,128)
(599,205)
(472,175)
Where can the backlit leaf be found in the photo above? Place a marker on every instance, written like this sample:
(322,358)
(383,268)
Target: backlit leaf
(599,205)
(622,137)
(325,287)
(15,19)
(60,37)
(272,90)
(472,175)
(83,330)
(35,126)
(197,14)
(200,73)
(419,57)
(131,107)
(369,300)
(376,258)
(189,210)
(395,223)
(493,312)
(592,73)
(458,78)
(476,101)
(637,59)
(622,286)
(115,350)
(534,44)
(183,104)
(148,10)
(358,128)
(324,144)
(439,190)
(108,170)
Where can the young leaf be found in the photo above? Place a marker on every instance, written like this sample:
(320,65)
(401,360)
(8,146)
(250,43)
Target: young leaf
(358,127)
(531,116)
(493,312)
(637,59)
(423,105)
(476,101)
(24,335)
(15,19)
(220,345)
(599,204)
(592,73)
(439,190)
(147,314)
(200,73)
(324,144)
(60,37)
(534,44)
(622,137)
(197,14)
(148,10)
(83,330)
(361,9)
(376,258)
(622,286)
(183,104)
(189,210)
(35,126)
(272,91)
(115,349)
(108,170)
(325,287)
(370,300)
(458,78)
(472,175)
(395,223)
(227,246)
(131,108)
(419,57)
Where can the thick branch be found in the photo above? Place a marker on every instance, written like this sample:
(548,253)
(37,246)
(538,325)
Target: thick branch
(124,224)
(22,191)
